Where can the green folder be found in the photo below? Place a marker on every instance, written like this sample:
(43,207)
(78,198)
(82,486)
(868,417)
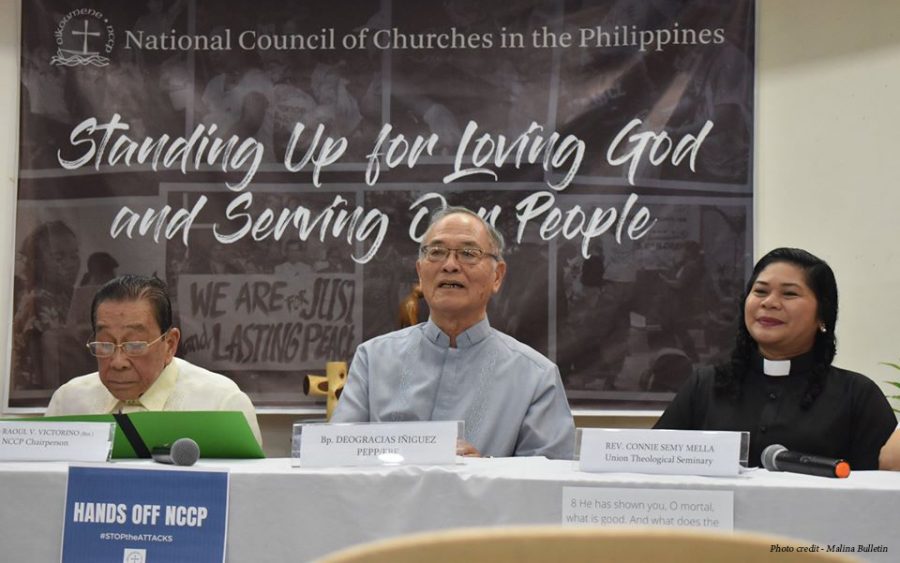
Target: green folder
(220,434)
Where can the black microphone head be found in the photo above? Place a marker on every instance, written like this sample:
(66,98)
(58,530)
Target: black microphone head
(768,456)
(185,452)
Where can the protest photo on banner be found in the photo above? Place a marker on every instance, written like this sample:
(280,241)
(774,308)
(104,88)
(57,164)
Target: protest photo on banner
(277,166)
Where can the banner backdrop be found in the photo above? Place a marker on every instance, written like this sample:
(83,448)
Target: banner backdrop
(276,163)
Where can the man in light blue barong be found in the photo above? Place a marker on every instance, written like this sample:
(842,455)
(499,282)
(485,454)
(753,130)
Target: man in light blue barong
(455,366)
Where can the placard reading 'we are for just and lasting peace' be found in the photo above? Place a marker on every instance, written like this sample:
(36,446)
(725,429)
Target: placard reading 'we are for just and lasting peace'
(674,452)
(394,443)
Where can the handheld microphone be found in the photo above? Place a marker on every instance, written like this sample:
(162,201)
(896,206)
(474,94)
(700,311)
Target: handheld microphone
(182,451)
(778,458)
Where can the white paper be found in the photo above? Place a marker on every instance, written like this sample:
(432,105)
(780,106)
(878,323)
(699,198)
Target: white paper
(666,508)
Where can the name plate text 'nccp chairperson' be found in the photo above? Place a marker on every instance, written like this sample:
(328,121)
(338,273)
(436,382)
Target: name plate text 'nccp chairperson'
(55,441)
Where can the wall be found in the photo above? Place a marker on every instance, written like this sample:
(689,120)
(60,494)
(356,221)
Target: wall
(826,173)
(9,134)
(828,90)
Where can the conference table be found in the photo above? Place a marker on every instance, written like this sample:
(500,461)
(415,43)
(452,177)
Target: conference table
(283,513)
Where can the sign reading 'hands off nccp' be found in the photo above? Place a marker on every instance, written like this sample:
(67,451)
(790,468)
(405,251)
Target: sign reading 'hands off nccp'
(138,515)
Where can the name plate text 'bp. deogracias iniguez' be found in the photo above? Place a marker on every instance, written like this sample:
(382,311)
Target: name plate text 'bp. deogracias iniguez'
(393,443)
(674,452)
(55,441)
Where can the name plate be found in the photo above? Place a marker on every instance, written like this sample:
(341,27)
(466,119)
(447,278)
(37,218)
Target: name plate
(366,444)
(56,441)
(673,452)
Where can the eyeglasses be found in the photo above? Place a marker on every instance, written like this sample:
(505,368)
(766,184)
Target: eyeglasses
(468,255)
(130,349)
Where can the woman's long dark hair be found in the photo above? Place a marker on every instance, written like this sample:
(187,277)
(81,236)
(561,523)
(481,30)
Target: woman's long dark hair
(820,279)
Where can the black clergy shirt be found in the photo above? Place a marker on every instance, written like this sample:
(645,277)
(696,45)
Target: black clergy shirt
(850,419)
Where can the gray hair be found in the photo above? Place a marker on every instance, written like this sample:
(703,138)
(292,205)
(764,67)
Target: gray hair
(130,287)
(496,236)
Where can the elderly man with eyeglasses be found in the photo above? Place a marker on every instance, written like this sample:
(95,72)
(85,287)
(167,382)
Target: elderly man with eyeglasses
(135,344)
(455,366)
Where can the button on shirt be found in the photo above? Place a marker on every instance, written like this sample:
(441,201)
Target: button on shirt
(510,396)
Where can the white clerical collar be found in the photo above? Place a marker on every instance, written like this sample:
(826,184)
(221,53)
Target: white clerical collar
(776,368)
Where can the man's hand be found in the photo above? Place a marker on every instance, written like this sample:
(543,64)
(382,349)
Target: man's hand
(466,449)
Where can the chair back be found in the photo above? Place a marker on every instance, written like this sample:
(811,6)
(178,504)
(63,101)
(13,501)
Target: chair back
(533,544)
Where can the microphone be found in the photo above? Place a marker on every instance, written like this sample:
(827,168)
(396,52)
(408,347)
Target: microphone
(182,451)
(778,458)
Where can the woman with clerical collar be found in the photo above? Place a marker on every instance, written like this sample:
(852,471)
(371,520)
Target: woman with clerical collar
(779,384)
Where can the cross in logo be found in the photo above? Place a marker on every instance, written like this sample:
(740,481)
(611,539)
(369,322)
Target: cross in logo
(85,33)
